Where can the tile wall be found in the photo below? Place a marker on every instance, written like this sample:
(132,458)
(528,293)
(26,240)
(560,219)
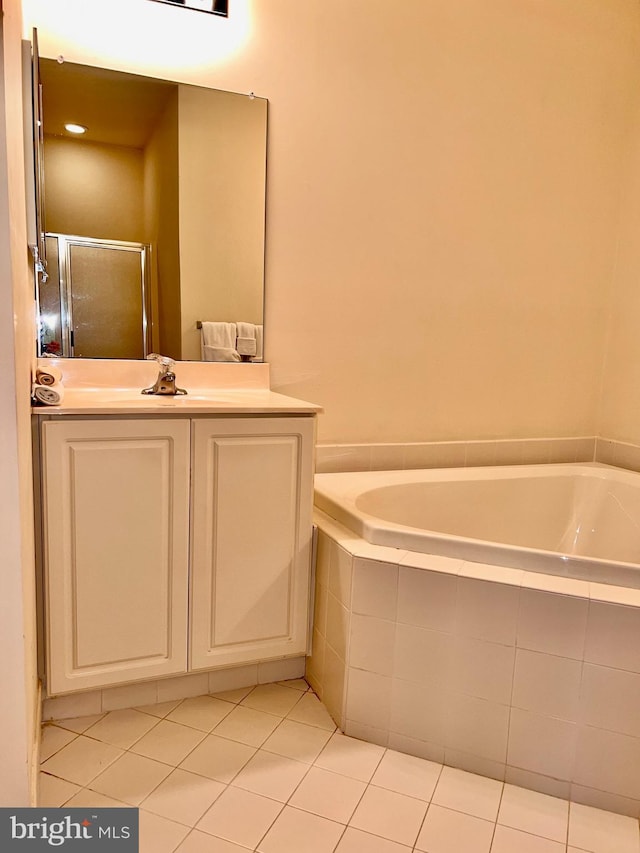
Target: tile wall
(331,458)
(623,454)
(514,675)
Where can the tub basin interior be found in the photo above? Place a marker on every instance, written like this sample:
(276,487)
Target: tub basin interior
(568,511)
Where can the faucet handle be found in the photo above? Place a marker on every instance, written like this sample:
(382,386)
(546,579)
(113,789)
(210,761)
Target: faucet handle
(165,363)
(165,383)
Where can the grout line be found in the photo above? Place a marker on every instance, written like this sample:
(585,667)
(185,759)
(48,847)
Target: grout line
(495,823)
(341,836)
(532,834)
(75,737)
(180,843)
(429,802)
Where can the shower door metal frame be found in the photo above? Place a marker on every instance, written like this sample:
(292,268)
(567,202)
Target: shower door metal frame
(65,243)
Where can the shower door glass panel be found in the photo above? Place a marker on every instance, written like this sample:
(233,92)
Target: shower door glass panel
(107,302)
(95,304)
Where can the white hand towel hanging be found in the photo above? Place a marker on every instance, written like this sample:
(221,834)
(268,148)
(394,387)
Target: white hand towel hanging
(219,334)
(246,344)
(215,334)
(259,344)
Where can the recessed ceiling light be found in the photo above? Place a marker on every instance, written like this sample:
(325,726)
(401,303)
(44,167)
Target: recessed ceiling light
(75,128)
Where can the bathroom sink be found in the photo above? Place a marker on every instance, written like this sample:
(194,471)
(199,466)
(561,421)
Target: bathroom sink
(127,398)
(207,401)
(180,398)
(133,398)
(156,399)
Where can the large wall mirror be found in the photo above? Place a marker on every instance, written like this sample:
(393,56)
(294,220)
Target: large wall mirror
(154,214)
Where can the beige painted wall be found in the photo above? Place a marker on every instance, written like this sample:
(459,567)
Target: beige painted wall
(95,190)
(18,677)
(222,179)
(442,200)
(620,403)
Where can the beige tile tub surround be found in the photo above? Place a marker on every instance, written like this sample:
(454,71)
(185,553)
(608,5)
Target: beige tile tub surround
(517,676)
(332,458)
(623,454)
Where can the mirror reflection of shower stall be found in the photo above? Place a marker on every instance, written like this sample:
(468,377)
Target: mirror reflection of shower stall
(180,168)
(95,303)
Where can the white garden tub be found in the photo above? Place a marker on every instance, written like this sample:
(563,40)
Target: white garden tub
(574,520)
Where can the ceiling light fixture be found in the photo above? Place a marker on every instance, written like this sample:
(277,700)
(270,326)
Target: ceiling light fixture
(75,128)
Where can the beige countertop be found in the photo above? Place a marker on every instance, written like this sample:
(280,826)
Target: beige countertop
(113,387)
(223,401)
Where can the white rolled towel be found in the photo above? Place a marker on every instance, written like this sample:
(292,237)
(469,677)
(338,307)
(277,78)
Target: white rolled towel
(48,395)
(48,375)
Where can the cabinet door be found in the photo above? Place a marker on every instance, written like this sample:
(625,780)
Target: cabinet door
(251,534)
(116,521)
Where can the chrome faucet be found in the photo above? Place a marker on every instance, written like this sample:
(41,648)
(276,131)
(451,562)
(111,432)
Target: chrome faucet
(166,382)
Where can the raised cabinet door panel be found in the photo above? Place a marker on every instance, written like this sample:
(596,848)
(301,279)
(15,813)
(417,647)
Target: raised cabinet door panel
(251,534)
(116,521)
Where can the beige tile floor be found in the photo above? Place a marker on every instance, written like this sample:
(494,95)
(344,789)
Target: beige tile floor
(265,769)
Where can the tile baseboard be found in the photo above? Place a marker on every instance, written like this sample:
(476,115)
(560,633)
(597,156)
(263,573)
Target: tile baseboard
(334,458)
(622,454)
(93,702)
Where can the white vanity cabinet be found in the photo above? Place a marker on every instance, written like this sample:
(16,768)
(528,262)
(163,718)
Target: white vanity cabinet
(173,544)
(251,534)
(116,550)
